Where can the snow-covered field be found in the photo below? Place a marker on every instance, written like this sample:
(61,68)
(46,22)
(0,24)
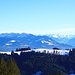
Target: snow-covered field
(42,50)
(58,52)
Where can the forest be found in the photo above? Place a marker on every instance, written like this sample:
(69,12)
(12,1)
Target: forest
(29,63)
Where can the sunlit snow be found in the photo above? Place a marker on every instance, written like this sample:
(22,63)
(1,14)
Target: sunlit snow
(42,50)
(49,43)
(7,44)
(12,41)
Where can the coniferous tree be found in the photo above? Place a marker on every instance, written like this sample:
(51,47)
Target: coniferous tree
(13,68)
(3,67)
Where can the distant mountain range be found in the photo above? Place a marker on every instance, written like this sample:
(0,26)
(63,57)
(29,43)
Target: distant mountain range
(61,38)
(11,41)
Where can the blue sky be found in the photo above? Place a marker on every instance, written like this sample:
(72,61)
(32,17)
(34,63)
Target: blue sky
(37,16)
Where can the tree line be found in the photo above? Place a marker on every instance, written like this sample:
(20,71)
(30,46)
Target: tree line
(28,63)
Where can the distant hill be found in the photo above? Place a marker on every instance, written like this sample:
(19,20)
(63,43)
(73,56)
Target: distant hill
(71,42)
(11,41)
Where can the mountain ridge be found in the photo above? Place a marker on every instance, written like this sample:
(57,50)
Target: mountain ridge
(19,40)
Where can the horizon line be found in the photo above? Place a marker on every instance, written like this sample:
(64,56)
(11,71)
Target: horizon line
(33,33)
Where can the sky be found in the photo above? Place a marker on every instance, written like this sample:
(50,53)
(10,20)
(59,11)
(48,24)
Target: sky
(37,16)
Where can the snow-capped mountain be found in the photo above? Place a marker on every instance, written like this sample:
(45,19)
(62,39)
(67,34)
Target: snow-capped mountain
(11,41)
(61,38)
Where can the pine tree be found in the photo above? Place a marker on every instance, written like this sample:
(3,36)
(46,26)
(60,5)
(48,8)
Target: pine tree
(3,67)
(12,68)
